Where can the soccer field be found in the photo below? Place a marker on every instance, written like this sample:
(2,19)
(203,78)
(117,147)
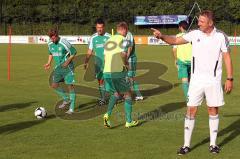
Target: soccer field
(82,135)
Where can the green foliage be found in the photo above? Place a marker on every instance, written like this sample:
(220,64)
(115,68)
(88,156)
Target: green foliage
(80,14)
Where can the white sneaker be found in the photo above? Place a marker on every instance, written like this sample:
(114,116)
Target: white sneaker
(64,104)
(138,98)
(70,111)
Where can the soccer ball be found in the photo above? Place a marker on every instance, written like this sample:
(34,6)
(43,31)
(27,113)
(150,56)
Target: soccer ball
(40,113)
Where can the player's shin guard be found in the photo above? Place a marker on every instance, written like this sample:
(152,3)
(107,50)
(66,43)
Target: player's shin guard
(112,102)
(128,109)
(213,127)
(72,95)
(185,86)
(188,129)
(60,91)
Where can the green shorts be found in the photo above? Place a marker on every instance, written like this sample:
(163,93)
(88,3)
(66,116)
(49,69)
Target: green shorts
(132,66)
(116,82)
(184,69)
(63,74)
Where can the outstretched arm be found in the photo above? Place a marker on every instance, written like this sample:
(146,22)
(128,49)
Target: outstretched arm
(168,39)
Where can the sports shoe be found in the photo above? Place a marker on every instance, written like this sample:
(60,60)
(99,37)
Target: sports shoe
(132,124)
(64,104)
(106,121)
(69,112)
(183,150)
(101,102)
(138,98)
(214,149)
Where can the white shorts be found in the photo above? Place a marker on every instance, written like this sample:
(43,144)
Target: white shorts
(212,91)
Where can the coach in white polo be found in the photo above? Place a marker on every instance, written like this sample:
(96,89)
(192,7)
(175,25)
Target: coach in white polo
(209,47)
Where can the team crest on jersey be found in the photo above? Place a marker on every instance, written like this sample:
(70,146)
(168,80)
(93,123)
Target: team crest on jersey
(59,49)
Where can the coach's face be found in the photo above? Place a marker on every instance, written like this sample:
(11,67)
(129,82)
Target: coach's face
(100,29)
(204,23)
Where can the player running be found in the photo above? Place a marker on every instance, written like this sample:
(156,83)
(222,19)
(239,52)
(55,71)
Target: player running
(182,55)
(96,47)
(62,52)
(115,75)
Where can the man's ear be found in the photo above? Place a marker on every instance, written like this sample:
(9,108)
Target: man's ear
(210,22)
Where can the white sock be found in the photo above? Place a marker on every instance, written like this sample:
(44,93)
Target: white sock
(188,128)
(213,127)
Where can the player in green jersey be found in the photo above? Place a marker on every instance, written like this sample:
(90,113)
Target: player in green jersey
(62,52)
(182,55)
(115,75)
(132,60)
(96,47)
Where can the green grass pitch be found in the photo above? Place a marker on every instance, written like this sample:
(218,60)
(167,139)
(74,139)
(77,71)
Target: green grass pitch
(83,134)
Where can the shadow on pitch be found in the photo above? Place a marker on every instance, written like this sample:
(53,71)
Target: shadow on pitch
(12,128)
(15,106)
(233,130)
(162,112)
(176,84)
(83,112)
(153,77)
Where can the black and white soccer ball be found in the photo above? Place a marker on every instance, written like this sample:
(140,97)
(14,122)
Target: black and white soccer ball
(40,113)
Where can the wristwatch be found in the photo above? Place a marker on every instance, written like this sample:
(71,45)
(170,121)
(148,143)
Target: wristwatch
(230,79)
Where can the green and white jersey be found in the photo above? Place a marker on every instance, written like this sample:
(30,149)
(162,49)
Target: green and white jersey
(61,51)
(96,44)
(131,43)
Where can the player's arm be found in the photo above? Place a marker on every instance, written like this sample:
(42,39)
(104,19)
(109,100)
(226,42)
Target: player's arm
(50,57)
(172,40)
(129,51)
(87,58)
(130,44)
(71,52)
(89,53)
(229,70)
(48,64)
(66,63)
(124,55)
(125,59)
(174,51)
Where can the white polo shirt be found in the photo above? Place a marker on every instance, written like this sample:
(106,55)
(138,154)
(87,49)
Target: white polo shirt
(207,53)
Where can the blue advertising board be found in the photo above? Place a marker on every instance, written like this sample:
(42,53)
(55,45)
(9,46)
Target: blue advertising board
(156,20)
